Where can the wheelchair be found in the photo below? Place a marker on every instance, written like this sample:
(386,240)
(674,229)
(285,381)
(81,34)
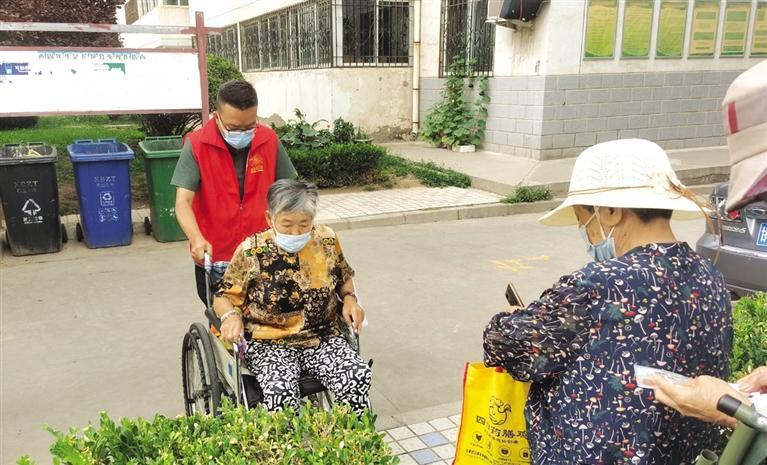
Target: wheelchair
(210,371)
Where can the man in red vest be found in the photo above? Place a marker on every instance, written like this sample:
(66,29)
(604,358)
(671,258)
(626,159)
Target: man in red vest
(222,177)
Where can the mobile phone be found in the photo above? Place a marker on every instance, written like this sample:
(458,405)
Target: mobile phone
(512,296)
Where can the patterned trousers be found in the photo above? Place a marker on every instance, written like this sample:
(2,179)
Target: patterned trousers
(333,363)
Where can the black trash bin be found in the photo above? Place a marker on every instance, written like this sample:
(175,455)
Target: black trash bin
(30,198)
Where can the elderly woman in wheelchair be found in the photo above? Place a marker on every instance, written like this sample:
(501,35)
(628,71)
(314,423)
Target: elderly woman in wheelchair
(282,294)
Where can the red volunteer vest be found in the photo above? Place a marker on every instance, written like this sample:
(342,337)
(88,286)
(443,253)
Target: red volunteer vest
(223,220)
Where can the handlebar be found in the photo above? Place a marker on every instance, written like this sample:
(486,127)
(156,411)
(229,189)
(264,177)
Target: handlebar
(207,262)
(745,414)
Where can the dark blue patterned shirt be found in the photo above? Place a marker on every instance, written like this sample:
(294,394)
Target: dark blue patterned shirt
(660,305)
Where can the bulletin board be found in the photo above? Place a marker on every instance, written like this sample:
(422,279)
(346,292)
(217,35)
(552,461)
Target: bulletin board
(98,81)
(736,21)
(637,28)
(705,22)
(672,25)
(601,26)
(759,43)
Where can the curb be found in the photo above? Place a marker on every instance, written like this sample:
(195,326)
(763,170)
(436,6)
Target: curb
(442,214)
(690,177)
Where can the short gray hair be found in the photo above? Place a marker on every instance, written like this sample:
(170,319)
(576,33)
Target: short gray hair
(290,196)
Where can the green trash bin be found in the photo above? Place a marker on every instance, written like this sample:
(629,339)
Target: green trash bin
(161,155)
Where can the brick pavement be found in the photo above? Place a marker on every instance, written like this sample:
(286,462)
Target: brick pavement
(429,442)
(359,204)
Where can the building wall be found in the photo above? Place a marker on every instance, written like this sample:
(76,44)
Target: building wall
(547,102)
(163,15)
(377,99)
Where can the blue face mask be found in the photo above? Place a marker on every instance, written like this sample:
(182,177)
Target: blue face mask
(290,243)
(604,250)
(238,139)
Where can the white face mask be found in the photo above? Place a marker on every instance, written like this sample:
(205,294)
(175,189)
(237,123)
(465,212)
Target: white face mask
(291,243)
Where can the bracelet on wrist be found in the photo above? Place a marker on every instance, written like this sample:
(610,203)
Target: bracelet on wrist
(349,294)
(230,314)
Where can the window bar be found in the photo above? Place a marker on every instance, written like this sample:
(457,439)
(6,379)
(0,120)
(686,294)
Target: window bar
(239,48)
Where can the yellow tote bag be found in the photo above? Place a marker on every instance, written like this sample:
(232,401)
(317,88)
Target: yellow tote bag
(493,428)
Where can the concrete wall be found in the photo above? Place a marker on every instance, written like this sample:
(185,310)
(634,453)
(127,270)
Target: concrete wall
(162,15)
(556,116)
(378,99)
(227,12)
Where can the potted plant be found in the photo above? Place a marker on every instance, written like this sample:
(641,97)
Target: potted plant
(361,137)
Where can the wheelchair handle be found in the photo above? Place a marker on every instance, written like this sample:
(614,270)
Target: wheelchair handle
(745,414)
(207,261)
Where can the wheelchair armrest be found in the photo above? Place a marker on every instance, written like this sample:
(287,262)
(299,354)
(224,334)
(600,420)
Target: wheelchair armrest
(212,318)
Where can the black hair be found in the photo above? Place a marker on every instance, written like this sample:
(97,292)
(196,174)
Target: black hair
(645,215)
(239,94)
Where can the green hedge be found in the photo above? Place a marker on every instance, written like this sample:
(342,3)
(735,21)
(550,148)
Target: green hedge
(339,165)
(749,348)
(236,437)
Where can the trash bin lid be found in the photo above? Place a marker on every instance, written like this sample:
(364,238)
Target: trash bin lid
(87,150)
(33,152)
(162,146)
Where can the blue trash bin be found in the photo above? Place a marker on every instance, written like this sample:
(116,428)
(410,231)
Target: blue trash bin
(102,179)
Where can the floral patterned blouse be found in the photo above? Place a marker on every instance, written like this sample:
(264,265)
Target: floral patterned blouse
(660,305)
(292,298)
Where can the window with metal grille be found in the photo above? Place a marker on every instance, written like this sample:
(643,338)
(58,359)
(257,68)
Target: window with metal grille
(310,35)
(376,32)
(147,6)
(225,44)
(466,34)
(322,34)
(176,2)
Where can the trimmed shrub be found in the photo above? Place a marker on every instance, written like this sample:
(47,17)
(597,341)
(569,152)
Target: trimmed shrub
(749,348)
(168,124)
(18,122)
(220,70)
(237,437)
(339,165)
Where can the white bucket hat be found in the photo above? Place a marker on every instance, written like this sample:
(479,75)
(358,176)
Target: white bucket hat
(745,117)
(627,173)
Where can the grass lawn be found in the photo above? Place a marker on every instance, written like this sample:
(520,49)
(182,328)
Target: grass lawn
(61,131)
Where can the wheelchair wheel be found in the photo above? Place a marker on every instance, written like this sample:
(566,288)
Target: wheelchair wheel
(202,387)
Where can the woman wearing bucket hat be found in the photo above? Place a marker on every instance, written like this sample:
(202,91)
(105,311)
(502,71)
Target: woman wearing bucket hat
(645,299)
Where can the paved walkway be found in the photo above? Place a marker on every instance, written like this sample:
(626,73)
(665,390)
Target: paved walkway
(431,442)
(338,209)
(502,173)
(359,204)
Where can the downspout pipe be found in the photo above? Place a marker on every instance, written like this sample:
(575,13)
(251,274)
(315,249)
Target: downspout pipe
(416,66)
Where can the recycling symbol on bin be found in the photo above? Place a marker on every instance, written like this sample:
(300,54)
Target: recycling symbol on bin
(31,207)
(107,199)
